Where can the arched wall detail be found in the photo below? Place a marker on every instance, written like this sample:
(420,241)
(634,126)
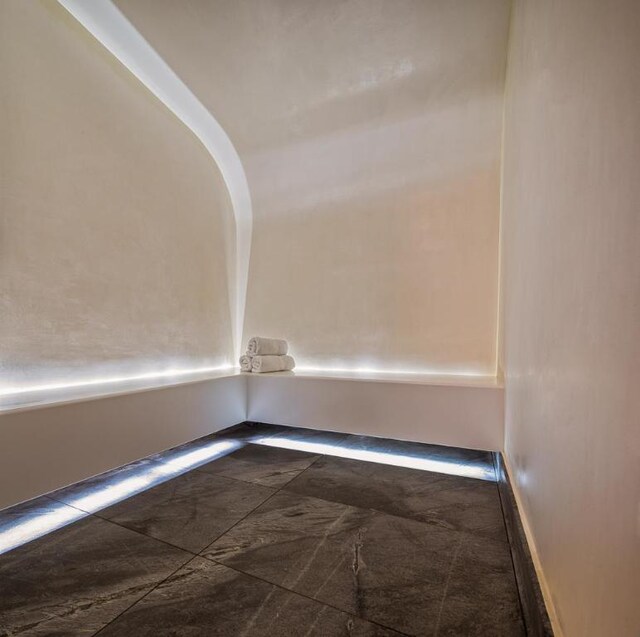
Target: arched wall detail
(112,29)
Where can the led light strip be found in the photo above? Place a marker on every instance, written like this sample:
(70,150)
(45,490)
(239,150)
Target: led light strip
(373,370)
(109,380)
(382,457)
(58,514)
(107,495)
(37,525)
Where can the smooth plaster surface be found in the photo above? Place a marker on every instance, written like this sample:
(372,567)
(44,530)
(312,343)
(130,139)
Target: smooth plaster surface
(370,134)
(113,216)
(433,412)
(572,303)
(110,27)
(42,449)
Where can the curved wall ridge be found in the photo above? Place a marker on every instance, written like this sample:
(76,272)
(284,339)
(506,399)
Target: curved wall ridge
(370,132)
(112,29)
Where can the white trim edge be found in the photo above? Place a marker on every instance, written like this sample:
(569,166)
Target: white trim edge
(112,29)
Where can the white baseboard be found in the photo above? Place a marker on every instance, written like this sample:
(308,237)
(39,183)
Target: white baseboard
(48,447)
(465,414)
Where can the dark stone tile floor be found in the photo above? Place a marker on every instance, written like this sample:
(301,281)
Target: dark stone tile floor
(190,510)
(77,579)
(397,572)
(206,598)
(268,466)
(268,541)
(451,502)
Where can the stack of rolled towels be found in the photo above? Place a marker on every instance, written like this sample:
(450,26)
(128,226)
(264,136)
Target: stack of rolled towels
(267,355)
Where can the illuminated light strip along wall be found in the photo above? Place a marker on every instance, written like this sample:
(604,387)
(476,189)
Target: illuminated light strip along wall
(382,457)
(391,371)
(57,515)
(13,390)
(110,27)
(170,467)
(41,522)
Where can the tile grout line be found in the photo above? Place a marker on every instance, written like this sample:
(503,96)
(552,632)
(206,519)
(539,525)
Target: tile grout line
(221,475)
(96,514)
(379,511)
(471,533)
(133,495)
(153,588)
(312,599)
(256,507)
(150,537)
(198,469)
(193,555)
(283,488)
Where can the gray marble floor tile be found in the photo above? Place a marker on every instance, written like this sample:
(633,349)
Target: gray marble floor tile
(212,600)
(246,431)
(450,502)
(268,466)
(189,511)
(77,579)
(416,578)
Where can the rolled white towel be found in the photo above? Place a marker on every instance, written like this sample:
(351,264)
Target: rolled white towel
(264,364)
(260,346)
(245,363)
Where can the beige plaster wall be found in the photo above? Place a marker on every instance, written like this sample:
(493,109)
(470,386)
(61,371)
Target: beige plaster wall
(572,302)
(112,218)
(370,134)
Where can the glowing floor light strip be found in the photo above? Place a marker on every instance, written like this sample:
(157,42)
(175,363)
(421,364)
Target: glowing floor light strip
(168,467)
(37,525)
(109,380)
(392,371)
(448,467)
(103,495)
(107,495)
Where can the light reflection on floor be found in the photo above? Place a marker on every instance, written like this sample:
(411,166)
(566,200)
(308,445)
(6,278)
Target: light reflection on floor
(43,519)
(449,467)
(28,522)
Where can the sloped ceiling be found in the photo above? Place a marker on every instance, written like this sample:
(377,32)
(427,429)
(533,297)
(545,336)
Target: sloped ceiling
(278,71)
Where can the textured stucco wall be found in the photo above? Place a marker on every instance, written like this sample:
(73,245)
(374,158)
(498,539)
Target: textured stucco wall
(572,302)
(113,216)
(370,134)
